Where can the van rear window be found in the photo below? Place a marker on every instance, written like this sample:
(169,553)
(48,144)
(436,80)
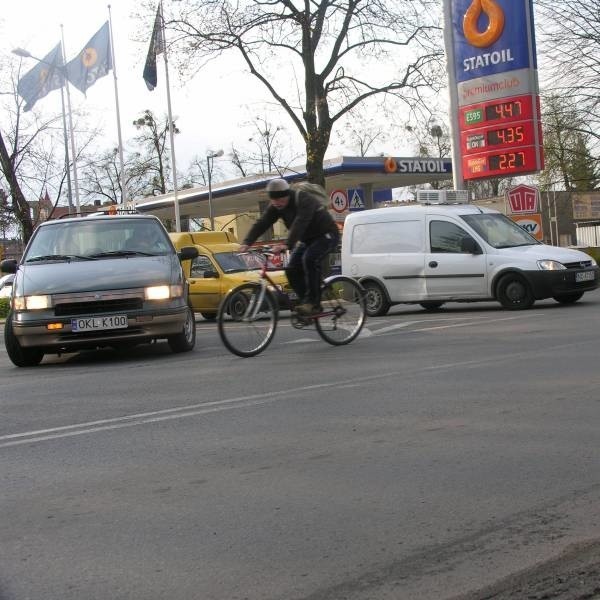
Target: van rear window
(391,237)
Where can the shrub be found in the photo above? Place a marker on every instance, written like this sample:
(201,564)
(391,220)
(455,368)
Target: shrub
(4,304)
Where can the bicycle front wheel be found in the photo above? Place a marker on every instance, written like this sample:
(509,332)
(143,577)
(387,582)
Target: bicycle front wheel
(344,312)
(247,319)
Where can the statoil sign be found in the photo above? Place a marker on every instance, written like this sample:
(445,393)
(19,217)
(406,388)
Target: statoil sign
(492,37)
(494,87)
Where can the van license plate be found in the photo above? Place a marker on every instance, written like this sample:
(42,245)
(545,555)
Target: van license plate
(585,276)
(99,323)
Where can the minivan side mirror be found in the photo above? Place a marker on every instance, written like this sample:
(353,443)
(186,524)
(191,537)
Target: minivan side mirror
(8,265)
(468,244)
(188,253)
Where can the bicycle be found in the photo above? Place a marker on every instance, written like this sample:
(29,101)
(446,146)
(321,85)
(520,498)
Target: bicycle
(248,315)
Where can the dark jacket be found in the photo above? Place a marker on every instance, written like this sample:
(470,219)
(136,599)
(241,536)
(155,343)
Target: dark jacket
(304,216)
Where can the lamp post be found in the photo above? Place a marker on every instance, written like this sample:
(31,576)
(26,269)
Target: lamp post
(22,53)
(209,163)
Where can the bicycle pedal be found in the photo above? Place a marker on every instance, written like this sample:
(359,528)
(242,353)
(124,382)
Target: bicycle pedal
(300,322)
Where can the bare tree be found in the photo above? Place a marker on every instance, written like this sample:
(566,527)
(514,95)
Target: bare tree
(335,54)
(101,176)
(570,42)
(28,153)
(154,162)
(265,152)
(568,161)
(362,129)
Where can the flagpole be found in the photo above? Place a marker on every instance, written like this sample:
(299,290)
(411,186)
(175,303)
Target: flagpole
(120,138)
(66,138)
(170,117)
(73,153)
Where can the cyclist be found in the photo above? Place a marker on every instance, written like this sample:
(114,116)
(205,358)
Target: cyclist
(312,235)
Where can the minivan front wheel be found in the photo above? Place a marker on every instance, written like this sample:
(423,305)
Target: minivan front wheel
(186,340)
(21,357)
(514,293)
(376,302)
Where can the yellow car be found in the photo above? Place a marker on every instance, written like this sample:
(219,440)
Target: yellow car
(219,268)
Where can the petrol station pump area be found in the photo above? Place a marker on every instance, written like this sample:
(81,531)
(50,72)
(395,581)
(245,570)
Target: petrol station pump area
(352,183)
(495,123)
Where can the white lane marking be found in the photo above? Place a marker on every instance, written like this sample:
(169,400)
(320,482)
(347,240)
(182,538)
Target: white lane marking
(474,322)
(257,399)
(393,327)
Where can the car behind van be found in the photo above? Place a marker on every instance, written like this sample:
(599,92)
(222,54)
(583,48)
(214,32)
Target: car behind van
(97,281)
(218,268)
(432,254)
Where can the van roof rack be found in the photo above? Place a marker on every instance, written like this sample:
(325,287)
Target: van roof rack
(443,196)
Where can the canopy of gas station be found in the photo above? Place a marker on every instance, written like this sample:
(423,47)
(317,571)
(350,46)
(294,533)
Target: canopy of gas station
(239,196)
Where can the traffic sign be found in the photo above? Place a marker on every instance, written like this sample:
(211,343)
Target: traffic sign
(356,199)
(339,201)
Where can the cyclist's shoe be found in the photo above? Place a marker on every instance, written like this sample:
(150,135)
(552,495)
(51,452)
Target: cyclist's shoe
(307,309)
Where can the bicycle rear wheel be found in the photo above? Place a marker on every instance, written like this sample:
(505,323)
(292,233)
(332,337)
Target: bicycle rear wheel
(247,319)
(343,302)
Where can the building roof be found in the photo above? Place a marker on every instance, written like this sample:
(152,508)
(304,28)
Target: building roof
(345,172)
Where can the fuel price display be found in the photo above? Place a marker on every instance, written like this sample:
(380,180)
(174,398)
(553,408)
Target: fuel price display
(503,110)
(498,138)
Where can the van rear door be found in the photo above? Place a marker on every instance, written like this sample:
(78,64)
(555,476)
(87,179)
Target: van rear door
(450,270)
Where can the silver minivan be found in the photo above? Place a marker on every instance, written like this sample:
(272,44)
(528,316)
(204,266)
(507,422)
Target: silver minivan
(97,281)
(432,254)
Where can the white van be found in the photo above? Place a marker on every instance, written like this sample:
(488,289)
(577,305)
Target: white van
(432,254)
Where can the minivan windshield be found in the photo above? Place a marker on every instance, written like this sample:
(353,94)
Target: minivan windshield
(499,231)
(97,239)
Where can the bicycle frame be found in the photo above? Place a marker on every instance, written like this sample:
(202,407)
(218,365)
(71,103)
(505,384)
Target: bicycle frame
(253,307)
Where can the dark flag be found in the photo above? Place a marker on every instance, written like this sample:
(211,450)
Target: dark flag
(42,79)
(93,62)
(157,45)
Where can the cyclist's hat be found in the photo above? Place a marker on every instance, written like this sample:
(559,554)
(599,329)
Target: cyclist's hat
(278,188)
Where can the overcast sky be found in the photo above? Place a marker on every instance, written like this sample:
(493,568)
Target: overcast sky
(209,109)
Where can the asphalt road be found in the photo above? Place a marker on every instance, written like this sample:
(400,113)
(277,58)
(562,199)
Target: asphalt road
(440,456)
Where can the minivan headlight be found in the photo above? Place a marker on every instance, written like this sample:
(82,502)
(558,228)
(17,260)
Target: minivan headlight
(550,265)
(32,302)
(163,292)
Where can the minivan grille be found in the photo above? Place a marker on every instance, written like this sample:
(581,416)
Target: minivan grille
(97,307)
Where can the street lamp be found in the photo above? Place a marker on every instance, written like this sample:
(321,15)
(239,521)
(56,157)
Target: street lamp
(25,54)
(209,163)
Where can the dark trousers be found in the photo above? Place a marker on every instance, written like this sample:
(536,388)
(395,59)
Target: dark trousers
(304,267)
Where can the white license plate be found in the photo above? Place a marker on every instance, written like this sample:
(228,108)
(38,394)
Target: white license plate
(99,323)
(585,276)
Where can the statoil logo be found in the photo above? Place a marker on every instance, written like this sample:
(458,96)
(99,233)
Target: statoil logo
(483,39)
(492,33)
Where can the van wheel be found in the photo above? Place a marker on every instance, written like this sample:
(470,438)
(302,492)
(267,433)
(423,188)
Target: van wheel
(514,293)
(431,305)
(21,357)
(568,298)
(186,340)
(376,301)
(209,316)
